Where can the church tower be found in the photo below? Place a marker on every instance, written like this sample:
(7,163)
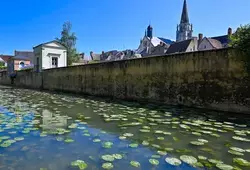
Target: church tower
(184,29)
(149,32)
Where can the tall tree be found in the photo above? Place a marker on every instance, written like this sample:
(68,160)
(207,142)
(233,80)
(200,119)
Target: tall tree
(68,39)
(241,41)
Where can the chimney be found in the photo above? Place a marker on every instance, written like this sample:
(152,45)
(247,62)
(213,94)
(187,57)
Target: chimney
(161,43)
(91,55)
(83,56)
(200,37)
(229,31)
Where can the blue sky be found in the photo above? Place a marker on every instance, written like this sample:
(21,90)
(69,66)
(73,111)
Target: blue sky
(111,24)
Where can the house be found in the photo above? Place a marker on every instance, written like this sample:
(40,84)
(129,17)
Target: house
(209,44)
(160,49)
(83,60)
(149,43)
(95,57)
(183,46)
(5,58)
(49,55)
(224,39)
(16,63)
(114,55)
(28,54)
(214,42)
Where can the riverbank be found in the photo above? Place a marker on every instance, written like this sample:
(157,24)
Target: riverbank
(214,80)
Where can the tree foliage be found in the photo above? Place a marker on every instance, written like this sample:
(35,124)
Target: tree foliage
(68,39)
(241,41)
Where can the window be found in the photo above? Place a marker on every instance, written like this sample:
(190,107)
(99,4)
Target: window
(54,62)
(21,64)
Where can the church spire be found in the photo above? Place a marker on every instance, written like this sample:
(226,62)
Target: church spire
(184,15)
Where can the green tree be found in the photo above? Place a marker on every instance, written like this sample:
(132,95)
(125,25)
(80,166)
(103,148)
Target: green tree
(240,40)
(68,39)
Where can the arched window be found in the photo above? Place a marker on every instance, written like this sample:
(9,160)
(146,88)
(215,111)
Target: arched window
(21,64)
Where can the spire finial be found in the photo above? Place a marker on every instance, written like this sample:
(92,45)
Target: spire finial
(184,15)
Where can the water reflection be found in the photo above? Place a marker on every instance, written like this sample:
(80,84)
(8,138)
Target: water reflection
(51,121)
(58,129)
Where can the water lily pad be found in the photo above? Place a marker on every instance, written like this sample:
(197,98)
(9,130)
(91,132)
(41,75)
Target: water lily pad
(188,159)
(235,153)
(117,156)
(163,153)
(241,139)
(184,126)
(156,156)
(107,145)
(198,143)
(122,137)
(215,135)
(128,134)
(107,165)
(237,149)
(97,140)
(202,157)
(224,166)
(68,140)
(160,138)
(173,161)
(175,139)
(19,138)
(241,161)
(154,161)
(133,145)
(196,133)
(203,140)
(5,144)
(4,137)
(109,158)
(214,161)
(135,164)
(145,143)
(144,130)
(81,164)
(86,134)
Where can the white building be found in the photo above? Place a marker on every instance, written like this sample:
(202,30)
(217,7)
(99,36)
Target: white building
(49,55)
(151,45)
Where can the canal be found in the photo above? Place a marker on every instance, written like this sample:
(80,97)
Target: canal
(48,131)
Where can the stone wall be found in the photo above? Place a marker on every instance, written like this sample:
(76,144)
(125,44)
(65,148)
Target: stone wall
(214,79)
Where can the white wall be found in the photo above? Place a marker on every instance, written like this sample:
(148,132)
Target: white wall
(193,46)
(205,45)
(47,57)
(45,54)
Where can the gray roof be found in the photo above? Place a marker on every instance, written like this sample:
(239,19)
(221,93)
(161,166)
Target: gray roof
(215,43)
(184,15)
(179,47)
(28,54)
(55,41)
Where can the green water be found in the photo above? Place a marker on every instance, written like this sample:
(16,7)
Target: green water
(53,131)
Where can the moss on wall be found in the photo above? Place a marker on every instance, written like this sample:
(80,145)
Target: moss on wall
(209,79)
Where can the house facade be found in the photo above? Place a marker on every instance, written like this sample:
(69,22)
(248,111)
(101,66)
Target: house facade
(209,44)
(189,45)
(49,55)
(150,45)
(28,54)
